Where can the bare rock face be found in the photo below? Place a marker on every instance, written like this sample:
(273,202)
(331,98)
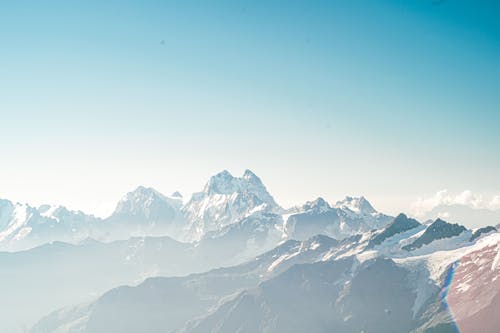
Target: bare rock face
(400,224)
(482,231)
(437,230)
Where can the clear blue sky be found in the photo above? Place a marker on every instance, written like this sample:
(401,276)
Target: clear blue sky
(389,99)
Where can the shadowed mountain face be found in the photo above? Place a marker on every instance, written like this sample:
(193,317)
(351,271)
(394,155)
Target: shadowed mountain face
(151,303)
(400,224)
(155,306)
(58,274)
(275,307)
(321,297)
(482,231)
(319,285)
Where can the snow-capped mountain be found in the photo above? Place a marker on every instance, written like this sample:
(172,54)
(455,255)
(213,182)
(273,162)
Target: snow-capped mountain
(23,226)
(224,200)
(141,212)
(346,218)
(148,204)
(358,205)
(146,212)
(225,204)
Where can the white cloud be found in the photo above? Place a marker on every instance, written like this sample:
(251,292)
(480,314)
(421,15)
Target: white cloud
(445,198)
(495,202)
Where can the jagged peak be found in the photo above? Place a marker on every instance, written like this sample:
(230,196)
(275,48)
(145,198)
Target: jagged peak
(144,193)
(440,221)
(225,183)
(176,194)
(250,176)
(437,230)
(318,203)
(482,231)
(220,182)
(224,174)
(356,204)
(143,197)
(403,219)
(439,224)
(402,223)
(141,194)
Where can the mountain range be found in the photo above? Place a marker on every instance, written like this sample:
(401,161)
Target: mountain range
(231,259)
(224,203)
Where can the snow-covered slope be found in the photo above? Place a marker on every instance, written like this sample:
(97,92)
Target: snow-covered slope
(457,290)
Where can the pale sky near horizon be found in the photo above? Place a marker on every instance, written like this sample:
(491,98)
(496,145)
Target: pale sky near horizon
(394,101)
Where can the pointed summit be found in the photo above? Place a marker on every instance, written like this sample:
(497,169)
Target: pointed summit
(400,224)
(222,182)
(225,183)
(403,222)
(319,204)
(226,199)
(251,177)
(248,173)
(176,194)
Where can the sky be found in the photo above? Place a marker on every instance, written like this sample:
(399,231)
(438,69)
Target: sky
(393,100)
